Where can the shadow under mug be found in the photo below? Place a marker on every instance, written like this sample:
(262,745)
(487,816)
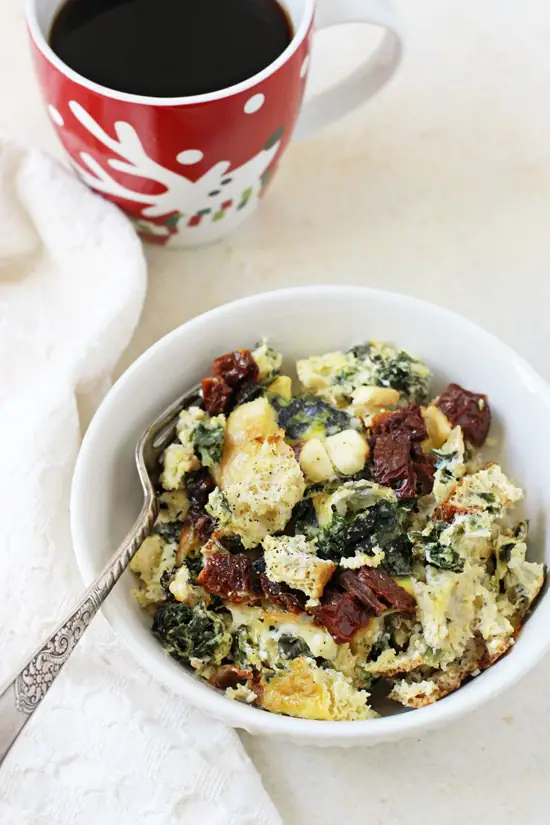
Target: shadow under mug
(190,170)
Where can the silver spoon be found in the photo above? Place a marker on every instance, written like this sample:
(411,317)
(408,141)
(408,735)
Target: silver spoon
(20,697)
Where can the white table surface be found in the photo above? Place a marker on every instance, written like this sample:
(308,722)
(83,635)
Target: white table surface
(440,188)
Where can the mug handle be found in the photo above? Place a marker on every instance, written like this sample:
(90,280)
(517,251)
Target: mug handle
(371,75)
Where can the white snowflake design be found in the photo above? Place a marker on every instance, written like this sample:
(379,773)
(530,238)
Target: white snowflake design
(219,193)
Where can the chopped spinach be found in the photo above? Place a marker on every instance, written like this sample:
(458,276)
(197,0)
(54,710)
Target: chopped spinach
(395,373)
(304,519)
(239,646)
(377,526)
(249,392)
(232,543)
(194,564)
(308,416)
(347,377)
(444,557)
(332,540)
(361,351)
(170,531)
(269,361)
(442,458)
(429,545)
(398,557)
(291,647)
(259,566)
(166,580)
(363,475)
(386,366)
(208,439)
(488,497)
(188,632)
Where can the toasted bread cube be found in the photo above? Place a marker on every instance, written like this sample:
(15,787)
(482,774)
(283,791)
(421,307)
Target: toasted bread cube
(292,560)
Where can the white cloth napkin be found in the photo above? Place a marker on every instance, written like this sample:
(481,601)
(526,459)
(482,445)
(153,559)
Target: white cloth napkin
(108,745)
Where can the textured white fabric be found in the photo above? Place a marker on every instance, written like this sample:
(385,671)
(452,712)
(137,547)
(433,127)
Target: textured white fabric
(108,745)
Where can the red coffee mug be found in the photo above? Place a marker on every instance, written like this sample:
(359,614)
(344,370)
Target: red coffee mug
(189,170)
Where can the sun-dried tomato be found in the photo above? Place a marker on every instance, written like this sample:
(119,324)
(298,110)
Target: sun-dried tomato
(281,595)
(255,684)
(469,410)
(341,614)
(217,395)
(392,458)
(376,590)
(236,368)
(407,420)
(424,468)
(229,576)
(235,380)
(199,485)
(398,459)
(203,525)
(355,586)
(229,676)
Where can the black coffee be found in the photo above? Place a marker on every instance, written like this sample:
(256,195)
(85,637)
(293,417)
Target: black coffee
(170,48)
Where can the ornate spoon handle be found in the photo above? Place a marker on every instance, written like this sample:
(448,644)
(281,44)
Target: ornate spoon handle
(22,695)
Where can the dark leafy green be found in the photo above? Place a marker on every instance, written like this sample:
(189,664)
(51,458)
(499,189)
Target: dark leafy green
(434,552)
(170,531)
(187,633)
(377,526)
(208,442)
(490,498)
(273,357)
(444,557)
(194,564)
(291,648)
(388,368)
(361,351)
(396,373)
(332,540)
(304,519)
(398,557)
(306,416)
(239,646)
(166,580)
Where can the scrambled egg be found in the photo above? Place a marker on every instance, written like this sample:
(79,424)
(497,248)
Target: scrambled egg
(338,376)
(267,627)
(154,558)
(179,459)
(310,692)
(447,608)
(450,465)
(268,360)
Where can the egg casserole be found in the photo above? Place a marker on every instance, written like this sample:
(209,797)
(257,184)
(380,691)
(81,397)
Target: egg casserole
(316,541)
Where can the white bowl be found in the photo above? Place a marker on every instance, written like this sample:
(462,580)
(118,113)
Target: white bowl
(106,495)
